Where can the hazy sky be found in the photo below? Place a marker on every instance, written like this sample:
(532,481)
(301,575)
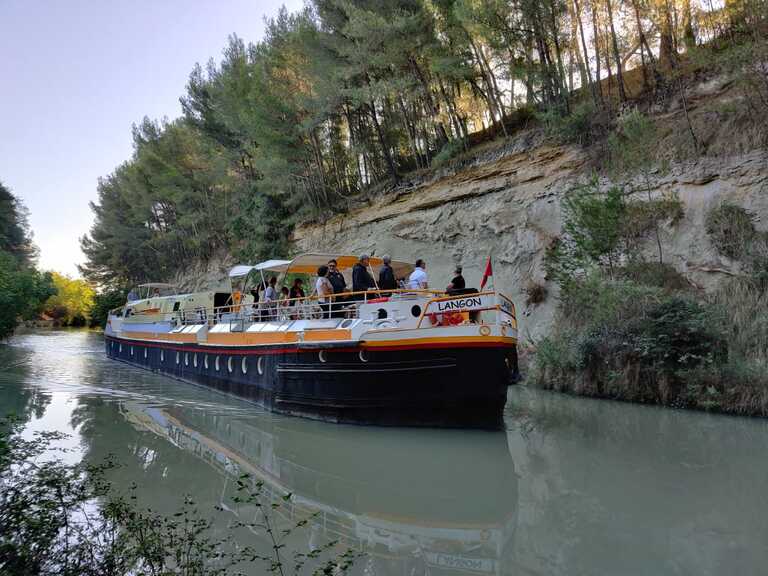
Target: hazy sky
(74,76)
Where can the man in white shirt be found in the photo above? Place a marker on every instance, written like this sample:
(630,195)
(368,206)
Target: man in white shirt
(418,278)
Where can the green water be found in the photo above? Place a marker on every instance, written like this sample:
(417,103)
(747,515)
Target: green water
(571,487)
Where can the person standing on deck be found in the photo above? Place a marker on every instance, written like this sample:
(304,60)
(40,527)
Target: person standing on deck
(361,278)
(324,290)
(336,278)
(387,275)
(418,278)
(270,299)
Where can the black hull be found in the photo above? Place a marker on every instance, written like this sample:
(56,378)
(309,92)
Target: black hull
(437,387)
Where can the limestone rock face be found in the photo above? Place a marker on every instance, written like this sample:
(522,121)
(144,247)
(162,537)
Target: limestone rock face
(510,207)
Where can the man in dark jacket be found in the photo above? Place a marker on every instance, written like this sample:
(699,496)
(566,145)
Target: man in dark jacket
(361,278)
(336,278)
(387,275)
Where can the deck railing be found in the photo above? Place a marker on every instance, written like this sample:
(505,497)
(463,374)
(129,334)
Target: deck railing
(344,305)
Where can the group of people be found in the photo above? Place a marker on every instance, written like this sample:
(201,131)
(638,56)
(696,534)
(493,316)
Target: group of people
(332,291)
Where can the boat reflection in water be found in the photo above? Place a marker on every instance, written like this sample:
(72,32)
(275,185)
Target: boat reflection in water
(413,501)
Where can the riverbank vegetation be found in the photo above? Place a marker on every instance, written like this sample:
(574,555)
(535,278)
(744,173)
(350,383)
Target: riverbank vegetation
(23,288)
(629,326)
(67,519)
(345,99)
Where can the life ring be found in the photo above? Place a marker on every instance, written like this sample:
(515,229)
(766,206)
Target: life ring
(237,296)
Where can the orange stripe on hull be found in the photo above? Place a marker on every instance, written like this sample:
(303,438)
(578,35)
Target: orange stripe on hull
(326,335)
(163,337)
(250,338)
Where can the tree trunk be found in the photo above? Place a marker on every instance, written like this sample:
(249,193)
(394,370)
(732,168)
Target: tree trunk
(616,55)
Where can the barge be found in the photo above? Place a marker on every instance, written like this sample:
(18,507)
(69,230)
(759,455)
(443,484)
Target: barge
(401,357)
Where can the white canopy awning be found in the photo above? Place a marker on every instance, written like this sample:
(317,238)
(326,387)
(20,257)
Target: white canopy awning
(269,265)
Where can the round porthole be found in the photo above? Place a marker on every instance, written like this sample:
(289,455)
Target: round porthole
(485,330)
(321,356)
(382,313)
(416,311)
(178,356)
(216,364)
(363,356)
(162,355)
(230,367)
(244,365)
(145,352)
(186,358)
(348,322)
(260,365)
(194,360)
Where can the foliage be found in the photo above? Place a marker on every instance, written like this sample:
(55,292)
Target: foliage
(103,302)
(623,340)
(605,229)
(731,229)
(73,301)
(577,127)
(23,288)
(341,97)
(66,519)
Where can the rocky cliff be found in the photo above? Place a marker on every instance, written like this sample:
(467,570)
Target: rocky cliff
(509,207)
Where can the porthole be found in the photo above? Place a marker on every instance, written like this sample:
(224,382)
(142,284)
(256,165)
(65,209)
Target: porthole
(120,349)
(382,313)
(416,311)
(186,358)
(485,330)
(321,356)
(230,366)
(205,361)
(131,350)
(194,360)
(363,356)
(216,364)
(145,352)
(178,357)
(260,365)
(348,322)
(244,365)
(162,355)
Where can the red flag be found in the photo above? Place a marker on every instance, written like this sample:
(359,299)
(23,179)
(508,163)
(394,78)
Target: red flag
(488,272)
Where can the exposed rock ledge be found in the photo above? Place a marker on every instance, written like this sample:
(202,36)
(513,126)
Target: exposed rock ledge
(510,207)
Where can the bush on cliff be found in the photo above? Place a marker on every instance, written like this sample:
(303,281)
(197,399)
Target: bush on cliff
(620,339)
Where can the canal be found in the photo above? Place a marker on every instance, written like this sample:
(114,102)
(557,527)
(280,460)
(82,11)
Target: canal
(571,486)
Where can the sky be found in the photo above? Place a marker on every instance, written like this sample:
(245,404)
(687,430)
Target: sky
(76,74)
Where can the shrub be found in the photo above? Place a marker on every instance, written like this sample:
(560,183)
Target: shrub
(653,274)
(448,151)
(731,229)
(629,341)
(536,293)
(578,127)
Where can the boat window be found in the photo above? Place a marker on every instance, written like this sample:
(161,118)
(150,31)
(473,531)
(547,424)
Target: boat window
(176,306)
(244,365)
(131,350)
(145,352)
(382,313)
(205,361)
(178,356)
(128,312)
(416,311)
(217,364)
(186,358)
(162,355)
(260,365)
(229,364)
(194,360)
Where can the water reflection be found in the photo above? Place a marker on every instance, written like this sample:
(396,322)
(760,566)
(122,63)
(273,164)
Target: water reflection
(572,487)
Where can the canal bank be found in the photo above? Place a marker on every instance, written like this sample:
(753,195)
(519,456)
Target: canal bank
(572,486)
